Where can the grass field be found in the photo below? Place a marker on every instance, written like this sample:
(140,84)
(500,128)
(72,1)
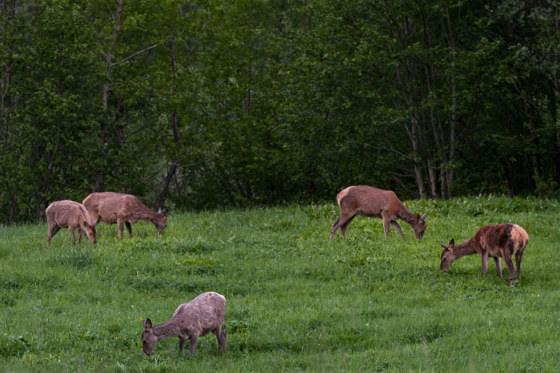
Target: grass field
(296,301)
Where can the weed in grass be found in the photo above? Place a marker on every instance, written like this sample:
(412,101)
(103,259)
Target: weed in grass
(11,347)
(77,258)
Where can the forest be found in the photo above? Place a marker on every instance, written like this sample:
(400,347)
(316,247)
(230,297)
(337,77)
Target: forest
(209,104)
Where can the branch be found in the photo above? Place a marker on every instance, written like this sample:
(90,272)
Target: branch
(134,55)
(392,150)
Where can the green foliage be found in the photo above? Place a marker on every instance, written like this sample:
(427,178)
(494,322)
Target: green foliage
(213,104)
(295,299)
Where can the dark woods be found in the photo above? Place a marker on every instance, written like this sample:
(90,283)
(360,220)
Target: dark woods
(206,104)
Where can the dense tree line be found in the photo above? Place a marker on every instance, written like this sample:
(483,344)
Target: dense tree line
(201,104)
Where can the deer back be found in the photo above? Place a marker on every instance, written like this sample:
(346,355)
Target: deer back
(64,213)
(496,238)
(110,205)
(368,200)
(204,313)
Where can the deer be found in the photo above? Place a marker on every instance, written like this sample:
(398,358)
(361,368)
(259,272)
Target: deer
(202,315)
(71,215)
(496,241)
(373,202)
(123,209)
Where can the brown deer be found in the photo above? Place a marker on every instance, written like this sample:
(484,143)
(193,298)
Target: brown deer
(202,315)
(71,215)
(368,201)
(123,209)
(496,241)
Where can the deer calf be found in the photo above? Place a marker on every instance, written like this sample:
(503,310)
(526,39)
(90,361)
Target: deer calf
(496,241)
(71,215)
(368,201)
(192,320)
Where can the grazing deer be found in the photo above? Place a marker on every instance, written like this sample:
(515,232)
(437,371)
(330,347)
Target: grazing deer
(496,241)
(71,215)
(202,315)
(123,209)
(368,201)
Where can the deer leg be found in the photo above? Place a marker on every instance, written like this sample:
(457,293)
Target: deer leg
(80,231)
(484,263)
(509,265)
(386,224)
(194,341)
(518,257)
(181,344)
(498,266)
(220,339)
(71,231)
(120,226)
(53,229)
(224,340)
(397,228)
(343,222)
(345,226)
(334,227)
(128,228)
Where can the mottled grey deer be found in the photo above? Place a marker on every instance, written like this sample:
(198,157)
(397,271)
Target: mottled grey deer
(202,315)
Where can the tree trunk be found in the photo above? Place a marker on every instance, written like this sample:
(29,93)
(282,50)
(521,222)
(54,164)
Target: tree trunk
(450,167)
(417,159)
(174,122)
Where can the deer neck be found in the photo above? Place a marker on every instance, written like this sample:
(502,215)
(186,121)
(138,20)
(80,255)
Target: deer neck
(405,215)
(465,248)
(146,214)
(165,330)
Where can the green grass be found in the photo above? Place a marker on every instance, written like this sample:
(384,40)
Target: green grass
(296,301)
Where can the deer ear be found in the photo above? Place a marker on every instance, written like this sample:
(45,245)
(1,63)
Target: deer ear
(424,216)
(147,323)
(452,243)
(442,245)
(159,211)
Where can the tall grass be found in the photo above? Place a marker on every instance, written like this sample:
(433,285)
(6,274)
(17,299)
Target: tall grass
(296,301)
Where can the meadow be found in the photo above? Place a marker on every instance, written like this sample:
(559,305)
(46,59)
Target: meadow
(296,301)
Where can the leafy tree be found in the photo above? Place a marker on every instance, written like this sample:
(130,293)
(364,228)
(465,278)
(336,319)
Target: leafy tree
(211,103)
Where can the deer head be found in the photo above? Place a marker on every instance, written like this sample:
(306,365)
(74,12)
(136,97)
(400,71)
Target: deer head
(447,255)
